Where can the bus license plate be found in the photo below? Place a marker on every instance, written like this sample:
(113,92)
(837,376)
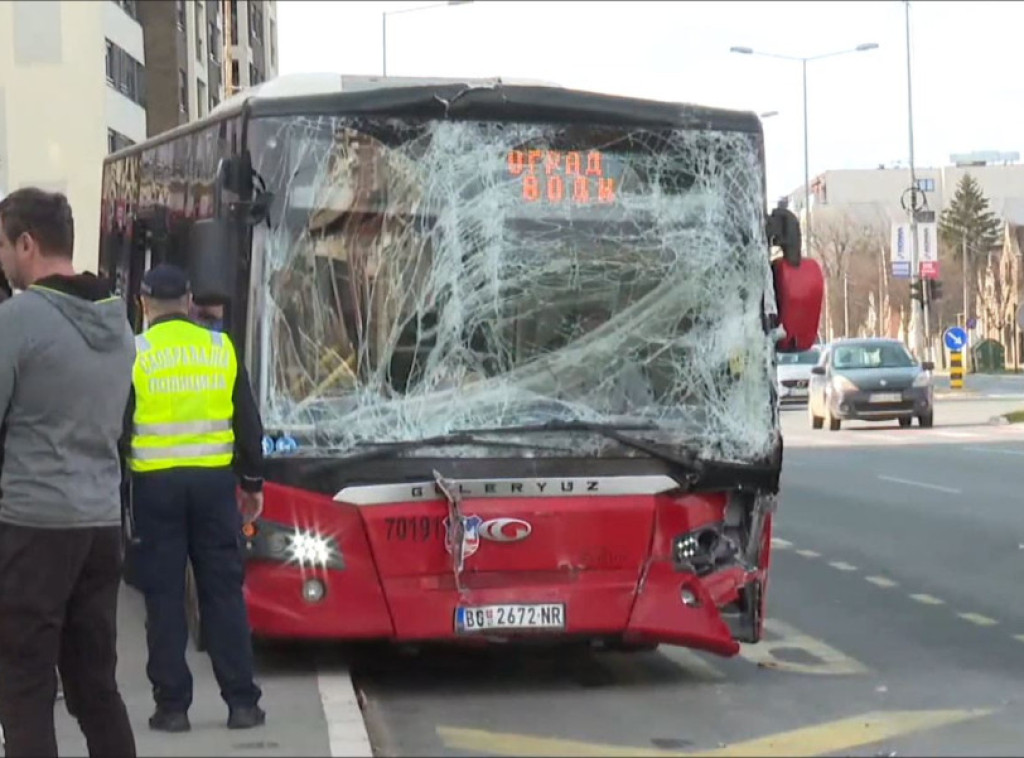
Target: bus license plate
(491,617)
(886,397)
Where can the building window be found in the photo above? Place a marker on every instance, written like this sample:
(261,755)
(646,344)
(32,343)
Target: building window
(117,141)
(213,100)
(235,82)
(125,74)
(234,22)
(255,21)
(926,185)
(199,31)
(110,62)
(211,41)
(183,91)
(181,13)
(129,7)
(273,45)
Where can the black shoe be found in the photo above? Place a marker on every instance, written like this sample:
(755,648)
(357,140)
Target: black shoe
(246,718)
(169,721)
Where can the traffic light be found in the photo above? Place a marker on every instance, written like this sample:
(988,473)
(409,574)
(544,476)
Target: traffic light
(933,289)
(917,291)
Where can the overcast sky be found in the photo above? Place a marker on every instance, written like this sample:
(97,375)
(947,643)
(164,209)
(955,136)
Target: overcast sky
(968,65)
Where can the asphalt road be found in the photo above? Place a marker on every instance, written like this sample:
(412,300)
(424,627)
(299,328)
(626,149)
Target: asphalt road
(893,627)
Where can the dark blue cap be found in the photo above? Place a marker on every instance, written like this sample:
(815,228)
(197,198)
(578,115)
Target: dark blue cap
(165,282)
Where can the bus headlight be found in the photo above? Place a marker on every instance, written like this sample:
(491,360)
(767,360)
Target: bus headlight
(307,548)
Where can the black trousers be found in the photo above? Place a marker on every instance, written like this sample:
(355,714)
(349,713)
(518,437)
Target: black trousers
(58,609)
(184,514)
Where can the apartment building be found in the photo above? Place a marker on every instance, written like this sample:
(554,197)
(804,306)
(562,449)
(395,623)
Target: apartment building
(82,78)
(873,195)
(72,88)
(190,69)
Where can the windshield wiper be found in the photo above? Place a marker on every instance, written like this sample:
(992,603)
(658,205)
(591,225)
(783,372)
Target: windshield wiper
(384,449)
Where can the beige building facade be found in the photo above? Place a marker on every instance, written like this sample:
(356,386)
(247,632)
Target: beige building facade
(82,78)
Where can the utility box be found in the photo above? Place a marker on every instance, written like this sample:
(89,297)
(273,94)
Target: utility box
(989,355)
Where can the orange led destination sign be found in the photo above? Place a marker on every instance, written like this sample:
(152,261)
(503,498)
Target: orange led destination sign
(559,177)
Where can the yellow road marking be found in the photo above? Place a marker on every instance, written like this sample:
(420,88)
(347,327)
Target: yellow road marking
(829,661)
(808,553)
(880,581)
(927,600)
(842,566)
(821,739)
(977,618)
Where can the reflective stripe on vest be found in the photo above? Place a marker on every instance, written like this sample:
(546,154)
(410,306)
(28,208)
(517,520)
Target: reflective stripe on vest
(184,379)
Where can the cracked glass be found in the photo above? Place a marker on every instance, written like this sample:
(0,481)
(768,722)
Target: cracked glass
(417,278)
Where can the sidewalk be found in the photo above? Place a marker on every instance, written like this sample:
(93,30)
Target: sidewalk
(993,386)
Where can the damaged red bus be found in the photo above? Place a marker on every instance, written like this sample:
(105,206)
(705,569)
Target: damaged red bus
(513,346)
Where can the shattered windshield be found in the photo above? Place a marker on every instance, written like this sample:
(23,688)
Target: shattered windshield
(418,278)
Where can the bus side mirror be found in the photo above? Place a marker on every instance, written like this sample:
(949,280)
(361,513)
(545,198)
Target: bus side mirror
(212,264)
(783,229)
(799,294)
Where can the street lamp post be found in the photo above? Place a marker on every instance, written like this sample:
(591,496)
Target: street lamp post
(384,26)
(804,60)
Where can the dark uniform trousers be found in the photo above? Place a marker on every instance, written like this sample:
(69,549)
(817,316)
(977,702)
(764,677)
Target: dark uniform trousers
(192,513)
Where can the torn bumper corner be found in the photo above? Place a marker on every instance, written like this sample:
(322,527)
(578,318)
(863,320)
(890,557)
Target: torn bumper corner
(680,609)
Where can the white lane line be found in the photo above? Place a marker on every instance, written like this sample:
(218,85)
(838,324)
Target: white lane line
(781,544)
(977,618)
(808,553)
(842,566)
(957,435)
(927,600)
(880,581)
(995,450)
(346,730)
(1019,637)
(923,485)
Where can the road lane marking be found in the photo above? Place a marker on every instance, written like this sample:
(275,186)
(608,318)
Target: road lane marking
(830,662)
(880,581)
(957,435)
(781,544)
(842,735)
(346,729)
(842,566)
(808,553)
(977,618)
(923,485)
(927,600)
(1019,637)
(996,450)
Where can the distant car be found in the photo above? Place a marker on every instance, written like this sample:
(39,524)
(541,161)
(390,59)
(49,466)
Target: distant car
(869,380)
(793,374)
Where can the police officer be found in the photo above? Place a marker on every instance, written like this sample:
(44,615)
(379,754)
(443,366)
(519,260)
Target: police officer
(193,419)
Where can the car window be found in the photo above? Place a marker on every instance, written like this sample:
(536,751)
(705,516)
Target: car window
(881,355)
(806,358)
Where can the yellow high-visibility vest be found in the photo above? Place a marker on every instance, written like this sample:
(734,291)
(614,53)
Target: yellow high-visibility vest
(184,377)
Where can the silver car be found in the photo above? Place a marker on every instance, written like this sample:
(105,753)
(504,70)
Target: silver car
(793,374)
(869,380)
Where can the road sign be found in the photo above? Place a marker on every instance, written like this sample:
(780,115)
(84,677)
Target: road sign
(955,338)
(929,269)
(901,269)
(972,322)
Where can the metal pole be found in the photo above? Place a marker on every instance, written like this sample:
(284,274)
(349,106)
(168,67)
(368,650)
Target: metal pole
(807,169)
(846,304)
(918,313)
(384,43)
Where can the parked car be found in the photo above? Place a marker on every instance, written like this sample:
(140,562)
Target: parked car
(871,379)
(793,374)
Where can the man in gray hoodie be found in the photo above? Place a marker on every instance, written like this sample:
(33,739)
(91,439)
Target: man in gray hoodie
(66,355)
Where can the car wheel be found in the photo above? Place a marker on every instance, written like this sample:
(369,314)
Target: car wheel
(925,421)
(905,422)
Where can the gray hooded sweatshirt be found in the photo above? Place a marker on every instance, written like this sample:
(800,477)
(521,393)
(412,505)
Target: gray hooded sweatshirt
(66,356)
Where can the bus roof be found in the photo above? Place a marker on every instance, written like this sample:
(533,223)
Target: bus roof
(435,97)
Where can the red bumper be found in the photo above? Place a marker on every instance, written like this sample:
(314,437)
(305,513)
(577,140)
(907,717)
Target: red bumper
(640,603)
